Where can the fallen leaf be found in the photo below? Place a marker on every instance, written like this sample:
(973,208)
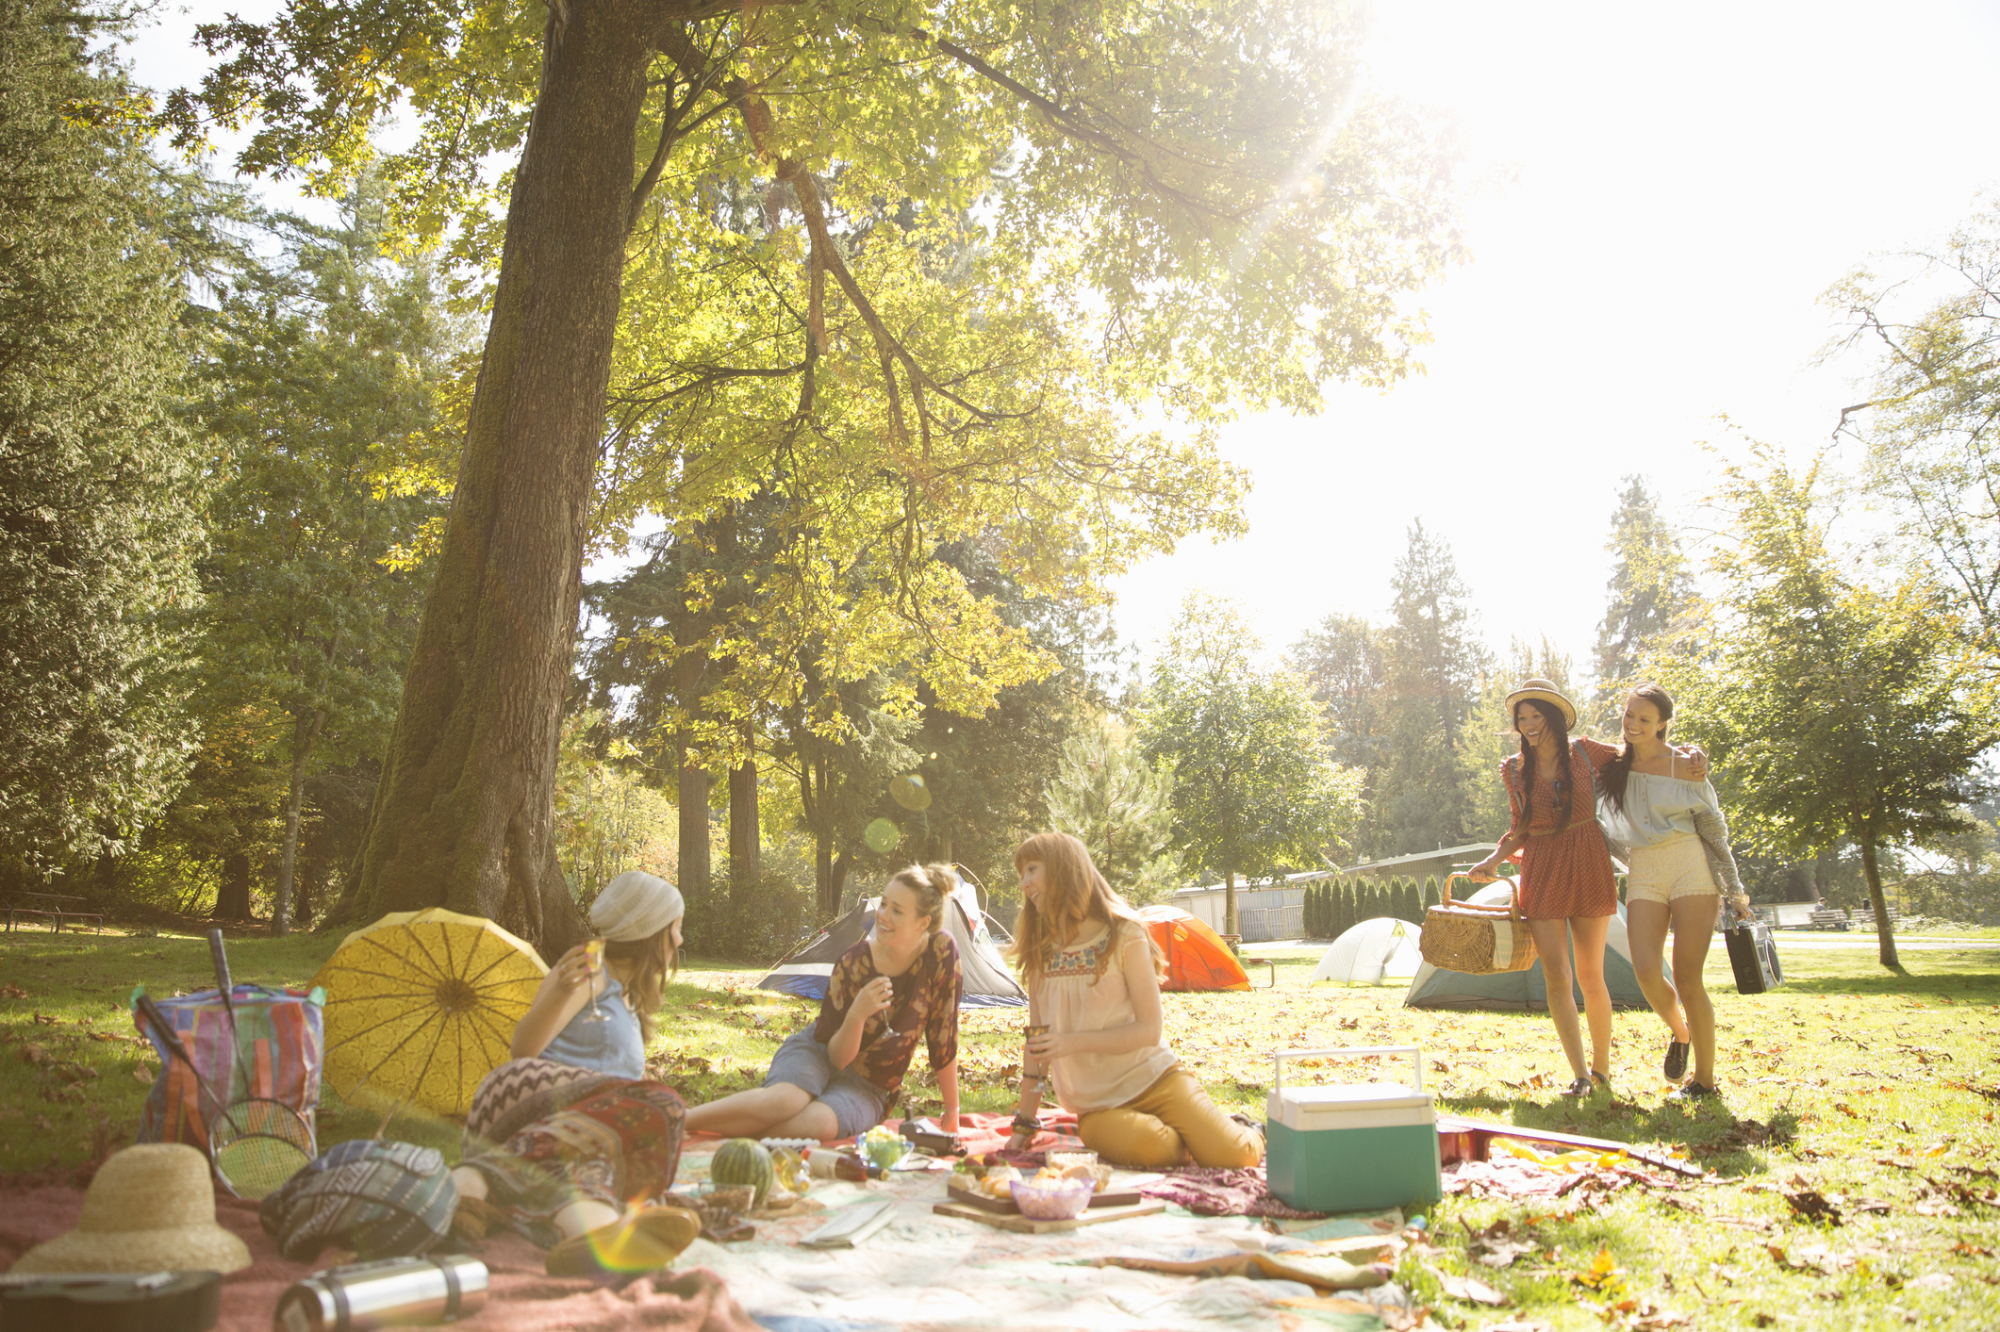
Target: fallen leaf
(12,991)
(1845,1109)
(46,1019)
(1470,1289)
(1813,1205)
(1761,1319)
(1966,1248)
(34,1054)
(143,1077)
(1516,1325)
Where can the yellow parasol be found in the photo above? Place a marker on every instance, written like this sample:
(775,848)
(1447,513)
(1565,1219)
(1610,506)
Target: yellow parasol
(422,1004)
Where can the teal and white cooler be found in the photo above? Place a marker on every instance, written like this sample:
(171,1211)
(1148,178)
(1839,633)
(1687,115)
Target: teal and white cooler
(1354,1146)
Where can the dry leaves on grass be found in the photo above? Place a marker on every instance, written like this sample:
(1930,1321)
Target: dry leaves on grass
(1499,1245)
(1468,1288)
(1633,1315)
(12,991)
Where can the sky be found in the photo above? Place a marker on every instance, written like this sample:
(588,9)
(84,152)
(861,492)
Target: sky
(1679,185)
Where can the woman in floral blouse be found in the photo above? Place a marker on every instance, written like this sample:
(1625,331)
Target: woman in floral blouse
(837,1078)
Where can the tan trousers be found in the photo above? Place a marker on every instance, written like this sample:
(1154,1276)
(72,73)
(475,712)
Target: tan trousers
(1165,1124)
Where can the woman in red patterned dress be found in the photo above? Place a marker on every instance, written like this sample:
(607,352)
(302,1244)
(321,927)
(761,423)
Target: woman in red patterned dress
(1568,892)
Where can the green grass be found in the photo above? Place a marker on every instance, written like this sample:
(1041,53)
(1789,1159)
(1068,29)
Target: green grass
(1864,1085)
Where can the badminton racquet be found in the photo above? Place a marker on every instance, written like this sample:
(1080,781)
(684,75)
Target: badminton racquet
(256,1142)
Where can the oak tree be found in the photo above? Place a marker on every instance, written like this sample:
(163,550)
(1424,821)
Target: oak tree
(1176,204)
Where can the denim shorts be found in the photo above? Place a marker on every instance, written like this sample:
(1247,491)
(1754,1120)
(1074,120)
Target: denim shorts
(857,1103)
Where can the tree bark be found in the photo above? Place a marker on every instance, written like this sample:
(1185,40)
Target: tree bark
(305,734)
(464,813)
(744,850)
(1229,905)
(233,901)
(1885,930)
(692,794)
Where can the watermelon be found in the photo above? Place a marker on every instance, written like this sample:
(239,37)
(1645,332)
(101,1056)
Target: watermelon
(743,1161)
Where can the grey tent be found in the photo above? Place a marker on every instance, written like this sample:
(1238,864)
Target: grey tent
(988,984)
(1433,988)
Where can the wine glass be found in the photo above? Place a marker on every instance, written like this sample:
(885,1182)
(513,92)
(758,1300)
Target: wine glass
(593,953)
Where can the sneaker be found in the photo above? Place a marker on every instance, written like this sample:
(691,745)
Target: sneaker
(648,1239)
(1580,1088)
(1676,1066)
(1694,1091)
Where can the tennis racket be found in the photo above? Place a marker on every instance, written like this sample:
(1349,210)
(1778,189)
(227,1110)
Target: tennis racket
(256,1142)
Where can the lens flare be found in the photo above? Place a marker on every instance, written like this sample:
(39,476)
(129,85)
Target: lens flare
(881,836)
(909,791)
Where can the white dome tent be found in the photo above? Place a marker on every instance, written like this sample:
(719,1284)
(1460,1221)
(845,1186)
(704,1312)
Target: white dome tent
(1371,952)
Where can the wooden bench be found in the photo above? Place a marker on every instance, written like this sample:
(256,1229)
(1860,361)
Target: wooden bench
(52,907)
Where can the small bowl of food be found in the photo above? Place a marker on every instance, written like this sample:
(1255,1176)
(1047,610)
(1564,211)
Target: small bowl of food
(883,1146)
(1052,1199)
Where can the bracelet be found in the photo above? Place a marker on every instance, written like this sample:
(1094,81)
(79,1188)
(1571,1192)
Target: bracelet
(1027,1123)
(1036,1078)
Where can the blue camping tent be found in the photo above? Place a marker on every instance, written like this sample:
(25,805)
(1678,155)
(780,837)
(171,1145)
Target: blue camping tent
(987,982)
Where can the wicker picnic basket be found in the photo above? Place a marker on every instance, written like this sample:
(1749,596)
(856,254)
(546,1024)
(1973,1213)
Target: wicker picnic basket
(1476,939)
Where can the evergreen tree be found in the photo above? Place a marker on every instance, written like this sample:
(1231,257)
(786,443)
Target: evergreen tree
(1433,896)
(323,396)
(1343,660)
(1434,665)
(1651,588)
(1343,908)
(1105,793)
(100,488)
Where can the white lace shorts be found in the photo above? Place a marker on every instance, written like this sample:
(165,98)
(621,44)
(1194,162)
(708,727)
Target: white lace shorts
(1667,871)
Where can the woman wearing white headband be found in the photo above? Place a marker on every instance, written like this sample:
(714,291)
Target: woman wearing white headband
(563,1136)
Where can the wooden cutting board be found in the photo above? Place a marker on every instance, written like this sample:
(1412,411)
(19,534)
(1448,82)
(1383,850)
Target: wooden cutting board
(1026,1225)
(1008,1207)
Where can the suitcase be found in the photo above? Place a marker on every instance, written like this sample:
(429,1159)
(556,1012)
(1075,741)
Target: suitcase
(1753,956)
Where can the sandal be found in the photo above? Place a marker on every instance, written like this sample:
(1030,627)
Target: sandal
(1580,1088)
(649,1238)
(1694,1091)
(1600,1080)
(1676,1065)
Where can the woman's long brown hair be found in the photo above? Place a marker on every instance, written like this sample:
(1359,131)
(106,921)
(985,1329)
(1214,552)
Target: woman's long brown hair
(1073,892)
(1612,780)
(649,974)
(1565,801)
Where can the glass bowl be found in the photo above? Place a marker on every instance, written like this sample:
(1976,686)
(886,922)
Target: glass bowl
(884,1149)
(1053,1199)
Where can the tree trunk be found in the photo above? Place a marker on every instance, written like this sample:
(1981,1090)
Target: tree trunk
(464,814)
(1229,905)
(233,901)
(743,839)
(944,845)
(1885,931)
(305,734)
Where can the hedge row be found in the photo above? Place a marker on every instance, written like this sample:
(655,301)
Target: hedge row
(1336,905)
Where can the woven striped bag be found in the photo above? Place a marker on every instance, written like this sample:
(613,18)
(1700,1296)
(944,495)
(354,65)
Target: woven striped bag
(1475,938)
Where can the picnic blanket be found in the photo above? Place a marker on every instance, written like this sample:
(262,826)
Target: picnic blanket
(521,1297)
(930,1273)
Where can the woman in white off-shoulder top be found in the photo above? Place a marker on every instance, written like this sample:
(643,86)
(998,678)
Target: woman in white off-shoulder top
(1670,829)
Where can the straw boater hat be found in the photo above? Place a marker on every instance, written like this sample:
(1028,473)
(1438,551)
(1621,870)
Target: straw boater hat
(151,1208)
(1543,691)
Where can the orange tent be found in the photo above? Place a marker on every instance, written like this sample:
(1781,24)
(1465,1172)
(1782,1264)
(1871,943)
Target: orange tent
(1197,959)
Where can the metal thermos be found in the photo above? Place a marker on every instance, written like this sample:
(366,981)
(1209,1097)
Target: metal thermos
(390,1292)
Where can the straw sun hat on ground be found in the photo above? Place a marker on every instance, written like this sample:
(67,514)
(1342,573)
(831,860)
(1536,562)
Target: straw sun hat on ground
(151,1208)
(1544,691)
